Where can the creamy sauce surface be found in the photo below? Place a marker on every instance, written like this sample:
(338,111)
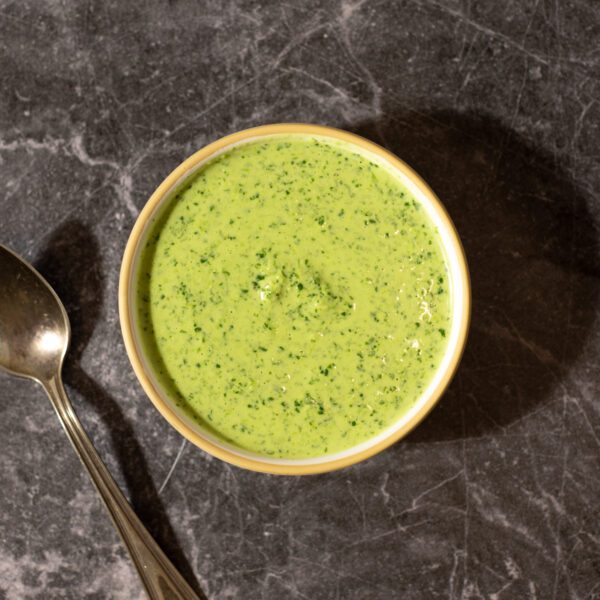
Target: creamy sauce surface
(293,297)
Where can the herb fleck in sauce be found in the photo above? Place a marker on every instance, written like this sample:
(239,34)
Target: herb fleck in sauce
(293,297)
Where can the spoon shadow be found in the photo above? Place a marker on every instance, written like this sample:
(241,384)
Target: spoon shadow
(72,264)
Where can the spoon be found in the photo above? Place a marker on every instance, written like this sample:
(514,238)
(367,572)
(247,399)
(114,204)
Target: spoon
(34,337)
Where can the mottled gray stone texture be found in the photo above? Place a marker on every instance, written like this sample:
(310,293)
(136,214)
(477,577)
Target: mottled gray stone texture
(497,104)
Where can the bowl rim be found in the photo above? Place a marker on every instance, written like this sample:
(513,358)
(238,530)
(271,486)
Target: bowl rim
(126,318)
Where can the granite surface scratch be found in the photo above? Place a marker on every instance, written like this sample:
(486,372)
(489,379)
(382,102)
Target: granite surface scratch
(497,104)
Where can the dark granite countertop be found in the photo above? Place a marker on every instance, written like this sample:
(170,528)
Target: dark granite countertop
(497,104)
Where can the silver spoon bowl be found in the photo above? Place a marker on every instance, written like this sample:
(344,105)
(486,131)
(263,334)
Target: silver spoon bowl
(34,338)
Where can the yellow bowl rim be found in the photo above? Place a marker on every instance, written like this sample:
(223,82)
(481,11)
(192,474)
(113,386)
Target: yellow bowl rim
(126,319)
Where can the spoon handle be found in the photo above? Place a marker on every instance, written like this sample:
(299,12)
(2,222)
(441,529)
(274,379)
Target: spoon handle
(160,578)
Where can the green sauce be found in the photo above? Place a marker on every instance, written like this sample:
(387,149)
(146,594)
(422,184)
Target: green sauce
(293,297)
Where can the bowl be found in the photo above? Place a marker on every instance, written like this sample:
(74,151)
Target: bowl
(460,300)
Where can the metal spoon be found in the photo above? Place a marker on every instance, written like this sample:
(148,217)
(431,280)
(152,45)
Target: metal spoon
(34,337)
